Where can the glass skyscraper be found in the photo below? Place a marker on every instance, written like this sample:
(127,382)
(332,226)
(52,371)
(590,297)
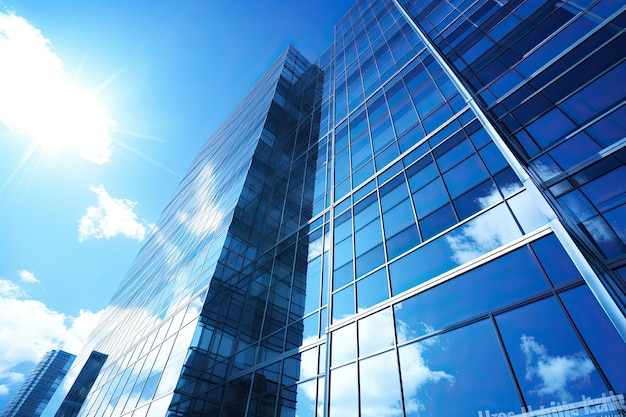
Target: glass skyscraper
(34,394)
(429,220)
(82,384)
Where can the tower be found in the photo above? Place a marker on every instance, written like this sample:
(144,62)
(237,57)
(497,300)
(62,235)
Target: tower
(34,394)
(424,221)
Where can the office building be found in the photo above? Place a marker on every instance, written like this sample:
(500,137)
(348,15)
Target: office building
(82,384)
(34,394)
(429,220)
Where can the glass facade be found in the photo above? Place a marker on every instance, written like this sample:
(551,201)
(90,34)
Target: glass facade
(425,221)
(36,391)
(82,384)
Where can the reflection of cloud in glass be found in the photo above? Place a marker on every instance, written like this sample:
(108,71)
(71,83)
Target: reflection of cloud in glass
(598,230)
(200,214)
(486,232)
(415,371)
(545,171)
(555,372)
(316,248)
(380,386)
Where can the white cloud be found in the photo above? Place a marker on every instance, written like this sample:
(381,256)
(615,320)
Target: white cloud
(28,277)
(110,218)
(200,214)
(482,234)
(39,101)
(555,372)
(28,329)
(4,389)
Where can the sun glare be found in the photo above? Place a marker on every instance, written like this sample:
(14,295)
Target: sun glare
(39,101)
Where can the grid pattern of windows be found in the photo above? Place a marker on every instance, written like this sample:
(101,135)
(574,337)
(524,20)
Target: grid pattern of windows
(550,75)
(36,391)
(369,250)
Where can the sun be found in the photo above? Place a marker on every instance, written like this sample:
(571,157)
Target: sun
(69,117)
(40,101)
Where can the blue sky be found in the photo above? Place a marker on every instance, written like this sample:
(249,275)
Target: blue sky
(103,106)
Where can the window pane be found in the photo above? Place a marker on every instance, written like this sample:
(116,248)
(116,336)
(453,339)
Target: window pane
(343,303)
(344,390)
(372,290)
(380,386)
(499,283)
(375,332)
(430,198)
(447,375)
(465,175)
(343,347)
(550,362)
(599,333)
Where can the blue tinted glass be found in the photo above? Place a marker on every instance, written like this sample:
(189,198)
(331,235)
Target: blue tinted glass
(411,137)
(437,222)
(508,182)
(386,156)
(398,218)
(478,198)
(603,236)
(372,289)
(360,151)
(370,260)
(599,333)
(465,175)
(616,219)
(455,155)
(555,261)
(547,357)
(363,173)
(343,275)
(608,187)
(550,127)
(402,242)
(305,406)
(429,198)
(499,283)
(424,263)
(367,237)
(450,375)
(492,157)
(578,205)
(343,252)
(393,192)
(421,173)
(382,134)
(312,299)
(574,150)
(404,117)
(365,211)
(343,304)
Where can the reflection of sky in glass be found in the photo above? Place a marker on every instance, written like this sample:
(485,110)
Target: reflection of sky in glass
(344,399)
(550,362)
(482,234)
(486,232)
(458,373)
(380,386)
(599,333)
(491,286)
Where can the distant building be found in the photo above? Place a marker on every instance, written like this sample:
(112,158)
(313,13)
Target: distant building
(36,391)
(84,381)
(429,220)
